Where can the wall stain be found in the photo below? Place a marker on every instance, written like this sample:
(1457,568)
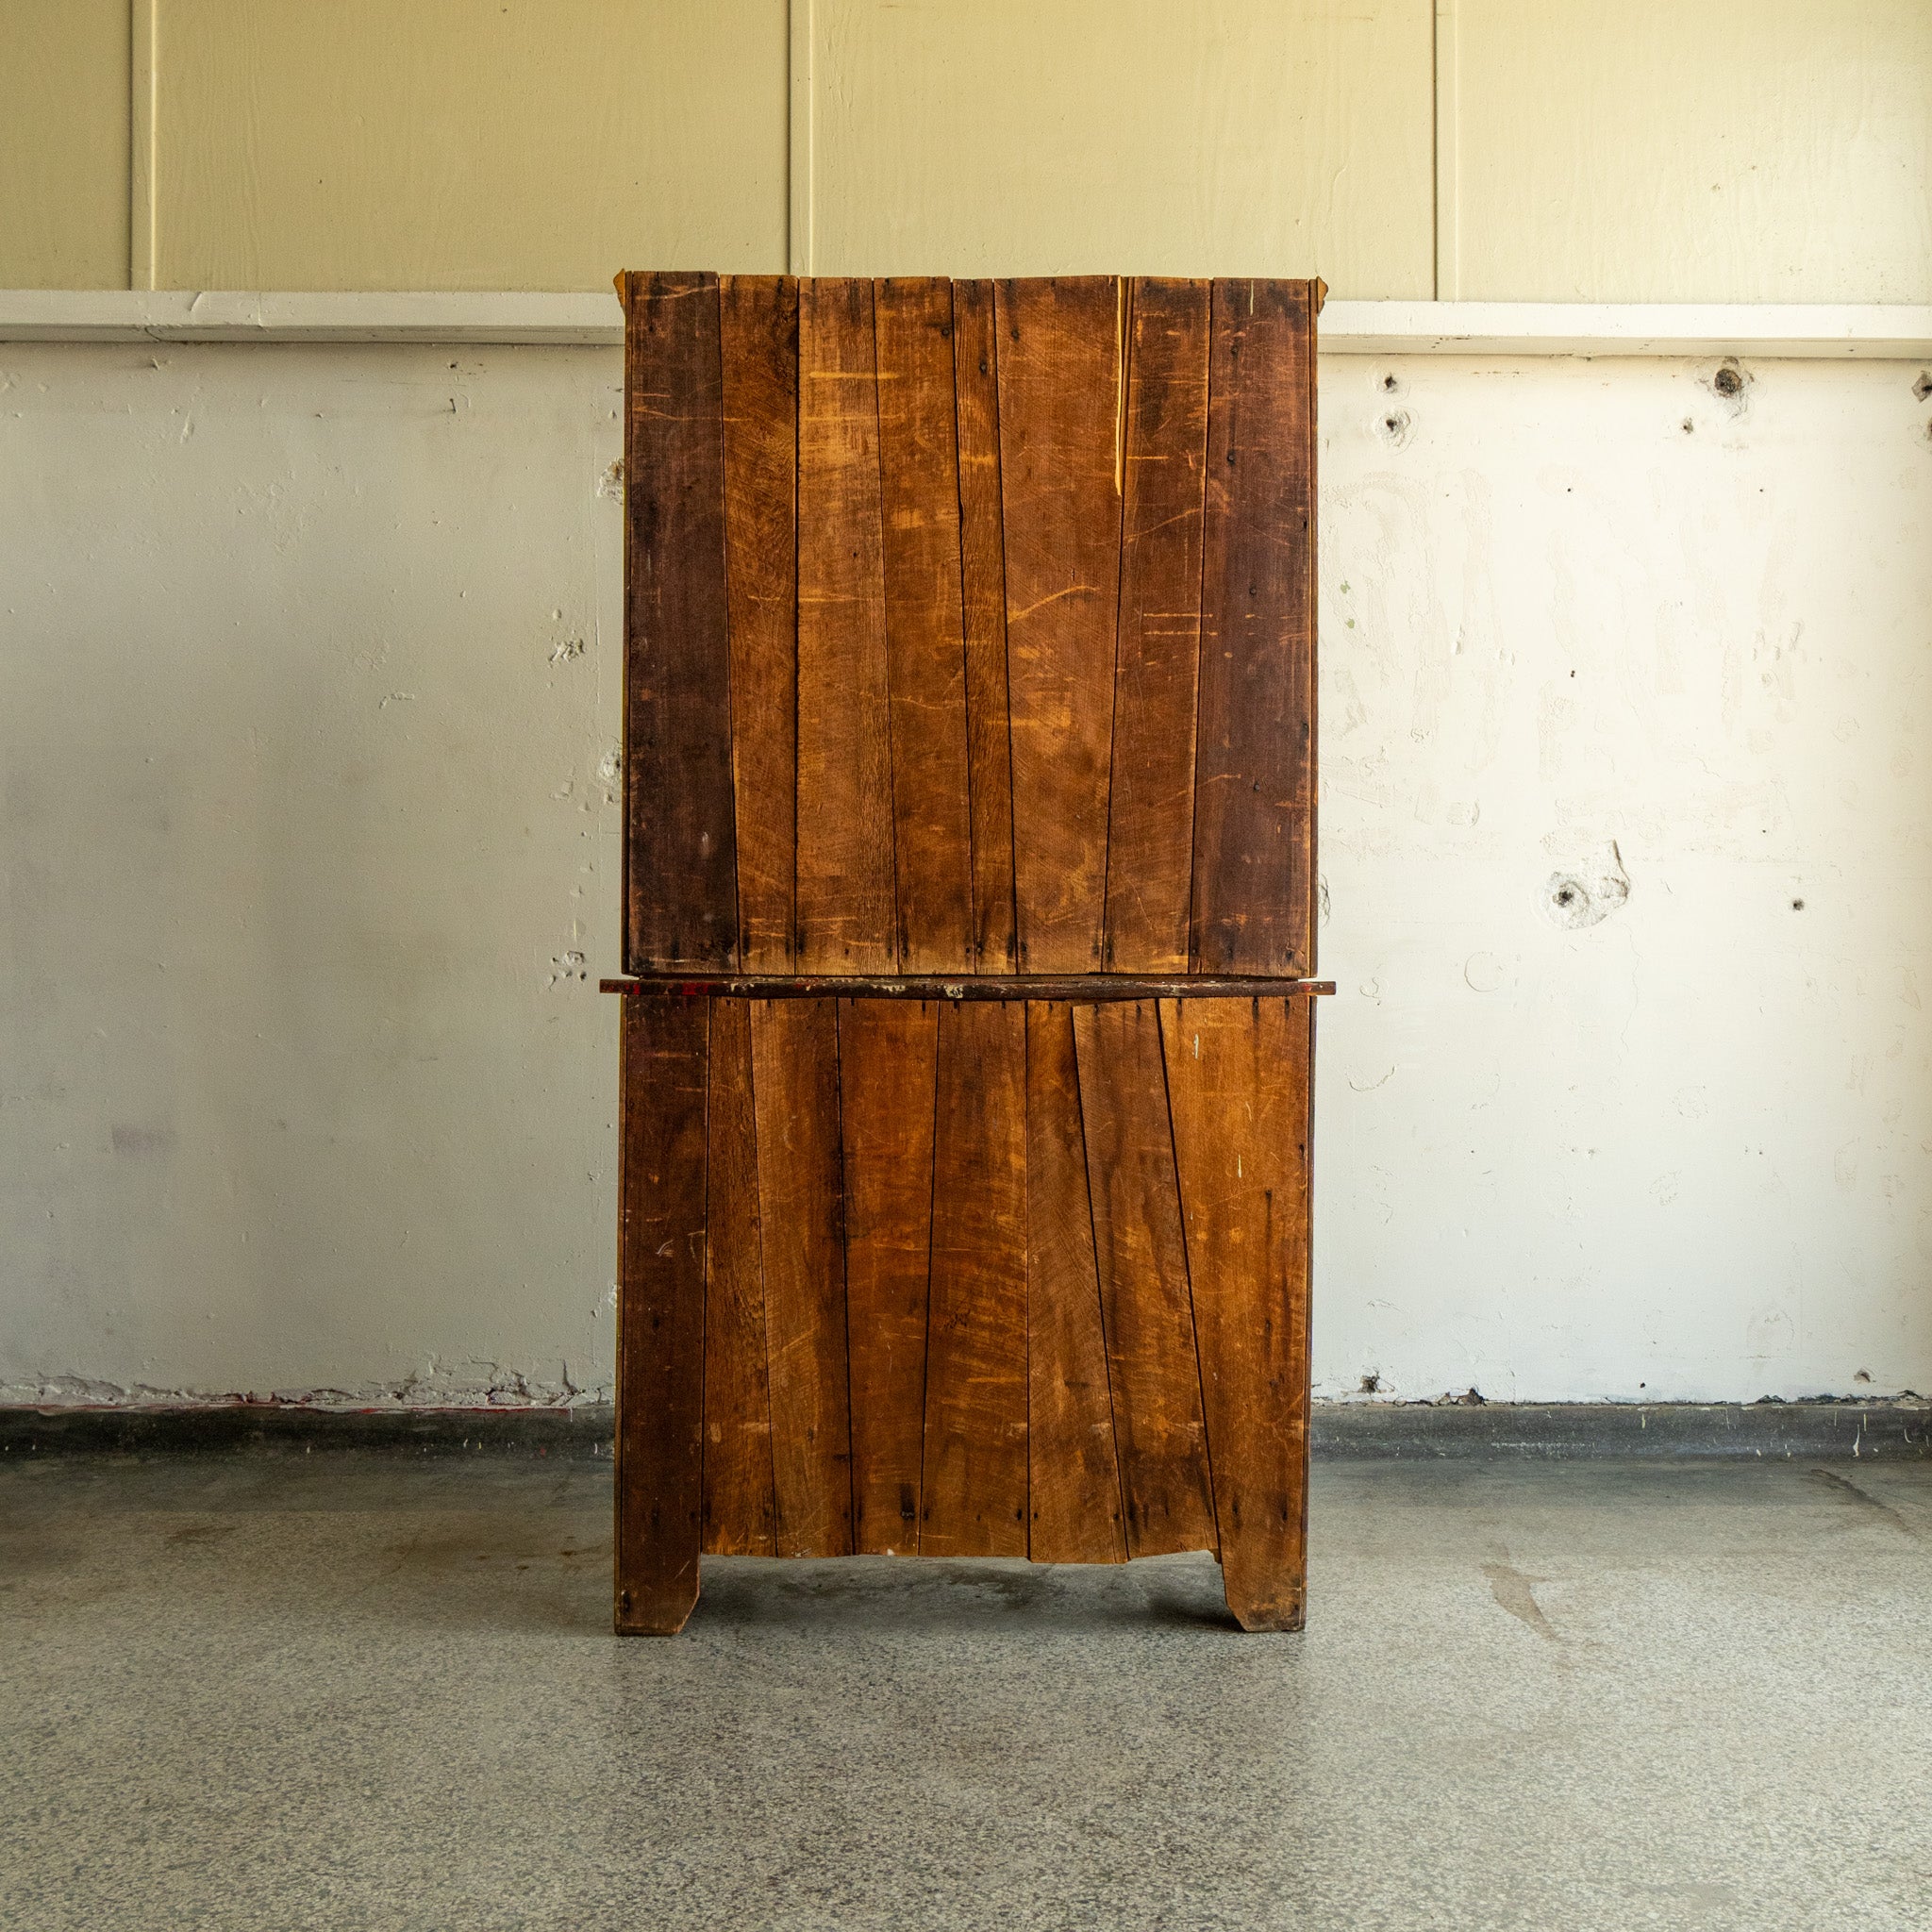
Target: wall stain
(1850,1490)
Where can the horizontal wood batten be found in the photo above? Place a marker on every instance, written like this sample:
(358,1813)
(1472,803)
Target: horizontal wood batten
(1083,990)
(1872,332)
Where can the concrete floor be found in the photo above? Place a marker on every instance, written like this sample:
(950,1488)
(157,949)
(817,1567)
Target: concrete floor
(369,1693)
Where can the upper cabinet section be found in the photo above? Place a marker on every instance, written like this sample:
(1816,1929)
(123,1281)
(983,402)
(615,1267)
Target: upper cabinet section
(969,625)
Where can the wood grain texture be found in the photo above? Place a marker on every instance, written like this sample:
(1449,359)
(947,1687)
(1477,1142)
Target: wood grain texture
(845,894)
(1143,1280)
(1078,989)
(973,1501)
(1151,812)
(660,1314)
(738,1495)
(1075,1512)
(1239,1079)
(926,648)
(887,1057)
(794,1052)
(983,573)
(1254,820)
(760,330)
(680,864)
(1059,375)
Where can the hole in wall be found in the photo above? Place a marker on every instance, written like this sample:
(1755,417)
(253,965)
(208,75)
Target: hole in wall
(1395,427)
(1730,383)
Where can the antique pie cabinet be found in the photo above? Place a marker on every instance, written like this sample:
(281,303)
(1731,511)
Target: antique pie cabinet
(969,925)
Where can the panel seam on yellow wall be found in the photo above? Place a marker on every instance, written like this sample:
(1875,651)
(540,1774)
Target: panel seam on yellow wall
(798,240)
(142,37)
(1448,267)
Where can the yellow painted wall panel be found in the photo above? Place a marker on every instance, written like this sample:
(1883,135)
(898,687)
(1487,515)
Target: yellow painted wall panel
(1726,151)
(64,143)
(467,144)
(1006,136)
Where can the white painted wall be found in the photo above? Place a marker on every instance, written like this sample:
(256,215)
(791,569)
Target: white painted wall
(309,683)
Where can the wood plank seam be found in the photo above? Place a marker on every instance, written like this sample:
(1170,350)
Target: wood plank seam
(973,907)
(1188,1273)
(1113,1418)
(1124,345)
(1311,799)
(760,365)
(932,1212)
(751,1081)
(797,592)
(631,1553)
(845,1278)
(1200,662)
(879,448)
(705,1272)
(983,853)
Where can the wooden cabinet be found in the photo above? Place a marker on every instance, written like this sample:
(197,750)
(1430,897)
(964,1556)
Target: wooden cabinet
(970,925)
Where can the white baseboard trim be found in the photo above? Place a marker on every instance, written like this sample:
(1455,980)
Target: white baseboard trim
(1870,332)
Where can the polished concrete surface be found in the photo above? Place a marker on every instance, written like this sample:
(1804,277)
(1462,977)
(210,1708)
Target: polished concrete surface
(372,1692)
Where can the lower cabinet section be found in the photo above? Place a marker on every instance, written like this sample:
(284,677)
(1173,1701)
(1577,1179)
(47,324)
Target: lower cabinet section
(994,1278)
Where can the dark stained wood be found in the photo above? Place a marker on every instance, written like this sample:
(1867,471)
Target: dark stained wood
(1254,820)
(925,646)
(1060,393)
(1237,1077)
(739,1496)
(660,1314)
(845,910)
(1151,812)
(679,838)
(1073,1498)
(887,1064)
(794,1052)
(1081,989)
(969,760)
(760,315)
(973,1501)
(983,571)
(1143,1280)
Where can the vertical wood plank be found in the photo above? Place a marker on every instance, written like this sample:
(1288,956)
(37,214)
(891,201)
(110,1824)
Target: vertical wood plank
(794,1052)
(1254,822)
(739,1496)
(660,1312)
(1060,395)
(760,327)
(680,865)
(1150,818)
(974,1498)
(925,649)
(888,1051)
(1144,1279)
(1239,1078)
(1074,1496)
(845,910)
(983,573)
